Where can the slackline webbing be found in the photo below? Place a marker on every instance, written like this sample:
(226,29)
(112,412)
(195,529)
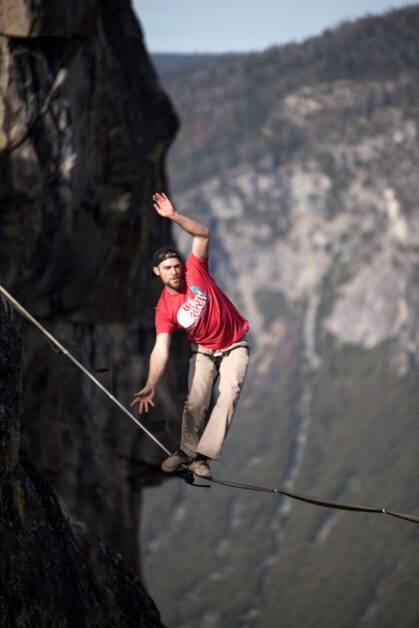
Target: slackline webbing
(318,501)
(65,352)
(185,473)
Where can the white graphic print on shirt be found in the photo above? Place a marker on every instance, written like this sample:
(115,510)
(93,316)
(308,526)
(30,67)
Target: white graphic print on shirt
(193,309)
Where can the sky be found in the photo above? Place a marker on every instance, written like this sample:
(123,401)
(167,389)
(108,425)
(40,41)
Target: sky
(245,25)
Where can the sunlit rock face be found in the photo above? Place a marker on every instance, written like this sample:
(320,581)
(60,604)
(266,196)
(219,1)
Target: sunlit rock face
(303,160)
(46,18)
(84,129)
(328,201)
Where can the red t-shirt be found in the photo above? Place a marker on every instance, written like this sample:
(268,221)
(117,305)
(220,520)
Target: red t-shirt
(201,308)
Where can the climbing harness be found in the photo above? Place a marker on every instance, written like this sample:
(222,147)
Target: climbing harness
(183,471)
(216,355)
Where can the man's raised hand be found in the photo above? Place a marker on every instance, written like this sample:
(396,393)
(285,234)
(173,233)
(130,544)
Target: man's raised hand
(163,206)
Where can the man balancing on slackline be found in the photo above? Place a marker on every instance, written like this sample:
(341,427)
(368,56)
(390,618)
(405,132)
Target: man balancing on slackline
(192,300)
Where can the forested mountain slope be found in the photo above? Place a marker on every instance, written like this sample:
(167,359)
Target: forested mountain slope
(304,161)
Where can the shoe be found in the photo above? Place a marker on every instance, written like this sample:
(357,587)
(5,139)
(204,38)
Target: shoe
(200,468)
(174,461)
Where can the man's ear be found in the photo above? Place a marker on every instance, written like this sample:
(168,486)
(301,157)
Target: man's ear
(156,271)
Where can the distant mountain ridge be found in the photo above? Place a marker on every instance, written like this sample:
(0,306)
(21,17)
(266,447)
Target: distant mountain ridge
(234,96)
(168,63)
(303,160)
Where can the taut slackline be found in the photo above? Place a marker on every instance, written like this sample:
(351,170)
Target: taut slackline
(184,472)
(64,351)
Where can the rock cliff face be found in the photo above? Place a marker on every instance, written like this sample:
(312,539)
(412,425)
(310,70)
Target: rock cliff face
(84,129)
(303,160)
(54,572)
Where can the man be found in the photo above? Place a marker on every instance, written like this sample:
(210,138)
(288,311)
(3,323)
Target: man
(192,300)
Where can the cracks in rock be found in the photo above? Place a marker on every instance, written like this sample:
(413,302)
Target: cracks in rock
(32,125)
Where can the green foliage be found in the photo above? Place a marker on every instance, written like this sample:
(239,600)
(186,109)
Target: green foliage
(361,447)
(235,116)
(231,558)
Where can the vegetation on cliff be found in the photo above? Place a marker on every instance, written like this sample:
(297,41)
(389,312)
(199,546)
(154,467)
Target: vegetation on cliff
(303,160)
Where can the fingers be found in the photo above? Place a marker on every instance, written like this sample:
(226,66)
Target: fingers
(158,201)
(144,406)
(159,198)
(137,398)
(143,403)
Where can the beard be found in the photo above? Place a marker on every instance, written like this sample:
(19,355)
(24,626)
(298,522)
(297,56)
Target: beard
(175,283)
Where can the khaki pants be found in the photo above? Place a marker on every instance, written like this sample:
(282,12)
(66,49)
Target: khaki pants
(203,436)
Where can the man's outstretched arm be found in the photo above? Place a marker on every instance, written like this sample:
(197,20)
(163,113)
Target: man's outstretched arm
(158,361)
(200,233)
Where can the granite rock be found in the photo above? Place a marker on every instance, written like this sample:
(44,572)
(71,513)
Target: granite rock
(84,131)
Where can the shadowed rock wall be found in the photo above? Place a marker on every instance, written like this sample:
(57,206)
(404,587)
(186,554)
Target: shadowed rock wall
(84,129)
(54,571)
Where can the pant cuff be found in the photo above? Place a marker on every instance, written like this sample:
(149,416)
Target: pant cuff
(210,457)
(188,451)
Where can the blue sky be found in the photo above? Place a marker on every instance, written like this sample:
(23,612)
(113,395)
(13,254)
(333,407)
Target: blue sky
(244,25)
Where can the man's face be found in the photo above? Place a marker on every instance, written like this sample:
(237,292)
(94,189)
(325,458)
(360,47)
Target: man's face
(170,272)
